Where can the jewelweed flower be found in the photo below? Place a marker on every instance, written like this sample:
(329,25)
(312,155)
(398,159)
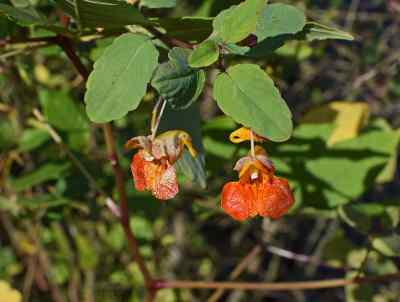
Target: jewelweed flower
(258,191)
(153,165)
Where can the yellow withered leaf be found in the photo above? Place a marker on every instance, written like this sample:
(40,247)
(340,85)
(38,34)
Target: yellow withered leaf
(9,294)
(349,121)
(348,118)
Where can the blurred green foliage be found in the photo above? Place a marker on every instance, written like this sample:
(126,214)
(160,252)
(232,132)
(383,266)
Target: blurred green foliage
(347,208)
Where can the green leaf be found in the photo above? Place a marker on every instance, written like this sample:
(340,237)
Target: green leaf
(278,19)
(296,49)
(234,49)
(388,173)
(103,13)
(189,121)
(237,22)
(375,264)
(44,173)
(249,96)
(218,148)
(223,122)
(23,16)
(120,77)
(359,216)
(27,15)
(44,201)
(311,31)
(143,228)
(326,177)
(32,139)
(316,31)
(205,54)
(101,46)
(8,133)
(392,218)
(61,240)
(268,46)
(6,26)
(178,83)
(193,168)
(114,237)
(61,111)
(158,3)
(88,256)
(387,245)
(193,29)
(336,248)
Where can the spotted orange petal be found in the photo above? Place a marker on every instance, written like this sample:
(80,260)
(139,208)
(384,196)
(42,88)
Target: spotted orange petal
(155,176)
(165,185)
(236,200)
(137,168)
(274,198)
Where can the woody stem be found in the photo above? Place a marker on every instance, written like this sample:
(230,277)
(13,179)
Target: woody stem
(253,152)
(278,286)
(133,245)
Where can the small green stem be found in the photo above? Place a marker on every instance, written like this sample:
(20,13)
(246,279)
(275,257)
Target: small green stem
(158,119)
(252,146)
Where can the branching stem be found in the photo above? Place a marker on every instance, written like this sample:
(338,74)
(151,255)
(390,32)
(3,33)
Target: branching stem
(67,46)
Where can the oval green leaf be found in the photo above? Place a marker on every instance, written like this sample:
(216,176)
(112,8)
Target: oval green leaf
(103,13)
(120,77)
(177,82)
(205,54)
(249,96)
(278,19)
(158,3)
(192,29)
(237,22)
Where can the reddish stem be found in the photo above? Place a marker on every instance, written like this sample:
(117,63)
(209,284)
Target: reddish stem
(67,46)
(278,286)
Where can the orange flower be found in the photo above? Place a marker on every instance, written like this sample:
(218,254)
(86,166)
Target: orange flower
(258,191)
(153,165)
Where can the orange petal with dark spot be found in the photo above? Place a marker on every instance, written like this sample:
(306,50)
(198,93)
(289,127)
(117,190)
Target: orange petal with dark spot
(137,168)
(274,198)
(236,200)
